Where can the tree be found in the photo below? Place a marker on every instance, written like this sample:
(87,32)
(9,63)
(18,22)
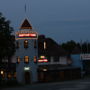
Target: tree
(7,45)
(69,46)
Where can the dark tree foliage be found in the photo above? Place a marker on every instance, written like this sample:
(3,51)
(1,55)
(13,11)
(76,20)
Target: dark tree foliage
(69,46)
(7,46)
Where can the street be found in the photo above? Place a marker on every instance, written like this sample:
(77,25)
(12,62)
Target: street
(83,84)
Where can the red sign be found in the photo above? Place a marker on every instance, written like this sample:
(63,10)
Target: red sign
(27,35)
(42,60)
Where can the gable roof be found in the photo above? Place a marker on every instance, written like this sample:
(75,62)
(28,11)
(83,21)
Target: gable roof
(26,25)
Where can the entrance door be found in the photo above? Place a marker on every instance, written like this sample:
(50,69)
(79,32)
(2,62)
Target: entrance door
(27,78)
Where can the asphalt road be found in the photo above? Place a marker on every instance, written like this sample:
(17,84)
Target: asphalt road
(65,85)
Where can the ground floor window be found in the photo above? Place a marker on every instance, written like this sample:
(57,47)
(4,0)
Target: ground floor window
(35,59)
(18,59)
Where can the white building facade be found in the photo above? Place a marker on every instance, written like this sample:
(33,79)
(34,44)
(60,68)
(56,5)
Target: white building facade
(26,53)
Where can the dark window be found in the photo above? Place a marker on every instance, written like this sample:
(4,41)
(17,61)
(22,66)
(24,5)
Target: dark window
(56,59)
(26,59)
(35,46)
(9,76)
(26,44)
(17,44)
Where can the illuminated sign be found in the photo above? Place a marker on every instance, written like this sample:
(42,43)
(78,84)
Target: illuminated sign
(27,35)
(26,68)
(42,59)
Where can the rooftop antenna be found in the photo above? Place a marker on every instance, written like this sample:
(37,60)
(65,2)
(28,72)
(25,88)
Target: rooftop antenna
(25,8)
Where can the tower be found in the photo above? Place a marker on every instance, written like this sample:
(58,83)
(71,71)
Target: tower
(26,53)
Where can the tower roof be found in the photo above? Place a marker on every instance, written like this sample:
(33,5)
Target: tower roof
(26,25)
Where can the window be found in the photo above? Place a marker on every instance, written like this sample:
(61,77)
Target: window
(26,59)
(18,59)
(35,59)
(35,44)
(26,44)
(14,75)
(45,45)
(17,44)
(9,76)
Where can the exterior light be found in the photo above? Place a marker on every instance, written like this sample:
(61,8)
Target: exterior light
(44,69)
(26,68)
(42,56)
(2,72)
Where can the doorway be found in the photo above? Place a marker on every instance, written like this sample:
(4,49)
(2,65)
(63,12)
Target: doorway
(27,76)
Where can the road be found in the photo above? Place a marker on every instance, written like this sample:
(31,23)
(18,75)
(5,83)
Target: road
(83,84)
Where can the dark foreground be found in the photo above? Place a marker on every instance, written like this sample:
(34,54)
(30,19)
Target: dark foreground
(82,84)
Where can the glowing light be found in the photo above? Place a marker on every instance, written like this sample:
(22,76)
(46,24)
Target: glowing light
(27,35)
(44,69)
(42,56)
(2,72)
(26,68)
(42,60)
(45,45)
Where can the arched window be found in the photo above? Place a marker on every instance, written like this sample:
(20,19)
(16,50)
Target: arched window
(25,43)
(26,59)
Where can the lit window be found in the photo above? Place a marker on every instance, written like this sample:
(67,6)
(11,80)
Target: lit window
(14,75)
(35,44)
(9,76)
(26,59)
(35,59)
(26,44)
(18,59)
(45,45)
(17,44)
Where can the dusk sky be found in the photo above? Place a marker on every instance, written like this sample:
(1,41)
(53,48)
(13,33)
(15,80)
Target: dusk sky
(62,20)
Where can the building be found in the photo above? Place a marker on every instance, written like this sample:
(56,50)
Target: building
(42,59)
(58,65)
(26,53)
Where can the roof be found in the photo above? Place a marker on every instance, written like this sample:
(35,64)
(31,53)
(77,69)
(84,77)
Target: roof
(56,67)
(26,25)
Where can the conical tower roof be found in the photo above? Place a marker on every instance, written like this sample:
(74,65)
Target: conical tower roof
(26,25)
